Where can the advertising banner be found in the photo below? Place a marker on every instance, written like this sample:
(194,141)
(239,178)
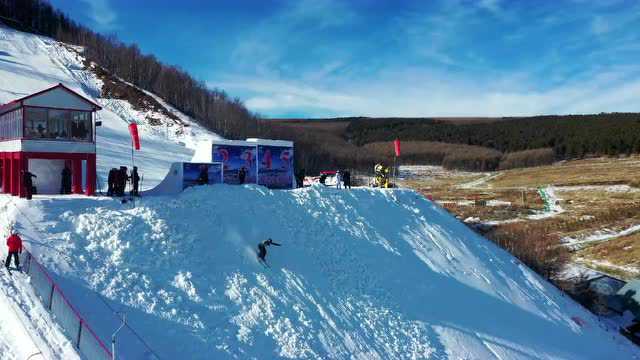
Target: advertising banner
(236,159)
(275,169)
(194,174)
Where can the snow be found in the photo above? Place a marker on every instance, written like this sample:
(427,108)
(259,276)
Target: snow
(366,273)
(598,236)
(552,207)
(28,64)
(606,188)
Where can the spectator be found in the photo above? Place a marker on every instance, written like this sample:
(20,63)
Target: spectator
(14,243)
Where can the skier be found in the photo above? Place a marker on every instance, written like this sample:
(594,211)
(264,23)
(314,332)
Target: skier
(28,183)
(242,174)
(135,181)
(346,178)
(14,242)
(262,249)
(65,184)
(338,179)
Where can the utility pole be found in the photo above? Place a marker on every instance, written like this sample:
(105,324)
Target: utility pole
(113,336)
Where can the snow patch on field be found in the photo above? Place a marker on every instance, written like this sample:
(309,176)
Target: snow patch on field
(598,236)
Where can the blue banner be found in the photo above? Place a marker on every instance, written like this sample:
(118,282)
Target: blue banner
(275,167)
(200,174)
(236,159)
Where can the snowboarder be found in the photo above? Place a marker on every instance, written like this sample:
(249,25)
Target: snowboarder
(14,243)
(28,183)
(346,178)
(262,248)
(338,179)
(65,184)
(135,181)
(242,174)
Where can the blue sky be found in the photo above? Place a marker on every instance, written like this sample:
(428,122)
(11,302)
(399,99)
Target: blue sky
(321,58)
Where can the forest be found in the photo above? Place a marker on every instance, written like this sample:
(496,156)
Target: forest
(212,108)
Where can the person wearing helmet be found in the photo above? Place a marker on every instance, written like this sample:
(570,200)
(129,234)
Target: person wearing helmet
(262,248)
(14,243)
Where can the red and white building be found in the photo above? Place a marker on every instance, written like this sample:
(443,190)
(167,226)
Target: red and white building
(43,133)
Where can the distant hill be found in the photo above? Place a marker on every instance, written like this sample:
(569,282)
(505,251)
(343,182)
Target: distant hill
(471,143)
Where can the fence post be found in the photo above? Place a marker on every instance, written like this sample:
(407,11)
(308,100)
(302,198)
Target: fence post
(79,334)
(28,263)
(53,287)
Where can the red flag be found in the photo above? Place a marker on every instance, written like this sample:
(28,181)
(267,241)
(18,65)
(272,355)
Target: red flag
(396,144)
(135,139)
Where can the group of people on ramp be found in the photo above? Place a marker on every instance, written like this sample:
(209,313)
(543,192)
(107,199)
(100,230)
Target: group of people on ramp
(119,178)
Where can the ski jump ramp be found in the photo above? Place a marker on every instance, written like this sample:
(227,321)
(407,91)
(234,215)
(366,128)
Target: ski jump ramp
(185,174)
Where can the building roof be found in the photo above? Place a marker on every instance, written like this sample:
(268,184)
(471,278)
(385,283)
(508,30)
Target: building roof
(12,104)
(631,292)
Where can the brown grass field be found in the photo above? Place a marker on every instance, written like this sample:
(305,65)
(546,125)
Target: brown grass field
(597,195)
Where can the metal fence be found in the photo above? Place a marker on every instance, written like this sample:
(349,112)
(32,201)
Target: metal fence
(72,323)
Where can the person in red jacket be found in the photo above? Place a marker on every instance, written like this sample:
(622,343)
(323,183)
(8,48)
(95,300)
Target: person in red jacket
(14,242)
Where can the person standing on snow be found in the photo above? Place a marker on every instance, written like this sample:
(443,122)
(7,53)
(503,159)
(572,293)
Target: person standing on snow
(65,183)
(338,179)
(111,181)
(262,248)
(242,174)
(14,242)
(123,180)
(135,182)
(28,183)
(203,177)
(346,178)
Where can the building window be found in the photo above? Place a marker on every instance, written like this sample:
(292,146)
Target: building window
(11,125)
(54,124)
(35,126)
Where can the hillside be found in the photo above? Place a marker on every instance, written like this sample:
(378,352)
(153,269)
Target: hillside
(30,63)
(476,144)
(364,274)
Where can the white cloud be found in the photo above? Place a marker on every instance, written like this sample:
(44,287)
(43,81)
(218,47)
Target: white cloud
(554,81)
(599,25)
(415,93)
(101,12)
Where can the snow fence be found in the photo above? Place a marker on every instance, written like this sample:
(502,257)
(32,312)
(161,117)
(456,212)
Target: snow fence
(89,344)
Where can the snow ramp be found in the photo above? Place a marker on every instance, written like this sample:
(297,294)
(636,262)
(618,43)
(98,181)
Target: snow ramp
(364,274)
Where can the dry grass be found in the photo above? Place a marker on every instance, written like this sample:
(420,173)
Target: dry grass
(580,172)
(588,209)
(623,251)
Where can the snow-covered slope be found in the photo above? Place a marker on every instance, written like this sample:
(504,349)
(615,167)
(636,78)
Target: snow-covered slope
(30,63)
(369,274)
